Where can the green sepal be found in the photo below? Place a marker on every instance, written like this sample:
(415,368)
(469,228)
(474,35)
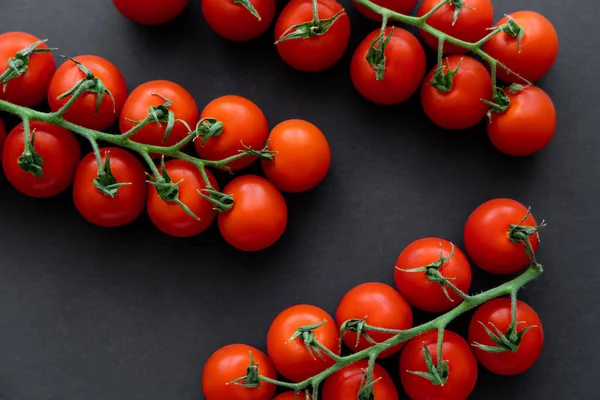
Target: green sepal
(168,190)
(366,391)
(252,377)
(499,104)
(263,154)
(306,334)
(520,234)
(513,29)
(458,6)
(105,182)
(310,29)
(443,77)
(508,341)
(248,6)
(376,54)
(19,64)
(207,128)
(30,161)
(221,202)
(356,326)
(436,374)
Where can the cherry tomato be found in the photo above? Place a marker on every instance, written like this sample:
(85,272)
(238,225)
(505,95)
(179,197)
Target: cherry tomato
(404,68)
(58,148)
(258,217)
(461,107)
(487,236)
(292,396)
(302,156)
(137,106)
(101,209)
(83,111)
(150,12)
(244,124)
(472,24)
(292,359)
(31,87)
(346,383)
(2,135)
(234,21)
(319,52)
(231,362)
(497,313)
(456,352)
(399,6)
(527,126)
(533,57)
(417,288)
(382,306)
(169,217)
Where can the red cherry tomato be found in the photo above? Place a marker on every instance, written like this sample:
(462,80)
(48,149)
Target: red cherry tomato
(302,156)
(59,150)
(461,107)
(169,217)
(404,68)
(150,12)
(234,21)
(101,209)
(472,23)
(487,236)
(244,124)
(292,396)
(536,53)
(137,106)
(291,358)
(383,307)
(231,362)
(346,383)
(31,87)
(2,135)
(497,313)
(456,352)
(258,217)
(399,6)
(83,111)
(527,126)
(319,52)
(417,288)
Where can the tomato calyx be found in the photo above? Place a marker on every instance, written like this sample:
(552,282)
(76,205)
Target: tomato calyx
(458,6)
(248,6)
(252,377)
(308,30)
(30,161)
(358,326)
(499,104)
(307,335)
(512,28)
(160,114)
(437,373)
(105,182)
(19,64)
(376,53)
(443,76)
(366,386)
(207,128)
(221,202)
(508,341)
(520,234)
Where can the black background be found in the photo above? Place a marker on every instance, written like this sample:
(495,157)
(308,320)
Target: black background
(95,314)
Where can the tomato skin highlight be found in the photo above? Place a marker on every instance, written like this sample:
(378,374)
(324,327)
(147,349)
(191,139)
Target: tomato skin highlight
(346,383)
(538,50)
(399,6)
(319,52)
(229,363)
(461,362)
(82,112)
(418,289)
(302,158)
(405,68)
(461,107)
(60,151)
(169,217)
(150,12)
(292,359)
(383,306)
(233,21)
(29,89)
(498,313)
(471,26)
(244,124)
(486,236)
(527,126)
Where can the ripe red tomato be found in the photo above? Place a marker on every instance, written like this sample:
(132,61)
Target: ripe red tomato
(399,6)
(150,12)
(258,217)
(137,107)
(487,236)
(231,362)
(461,107)
(318,52)
(383,306)
(527,126)
(234,21)
(462,367)
(101,209)
(498,313)
(536,53)
(244,124)
(59,150)
(292,396)
(83,111)
(302,156)
(418,289)
(2,135)
(346,383)
(169,217)
(30,88)
(472,23)
(292,359)
(405,65)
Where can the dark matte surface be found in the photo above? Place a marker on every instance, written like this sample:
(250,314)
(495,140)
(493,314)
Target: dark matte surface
(128,314)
